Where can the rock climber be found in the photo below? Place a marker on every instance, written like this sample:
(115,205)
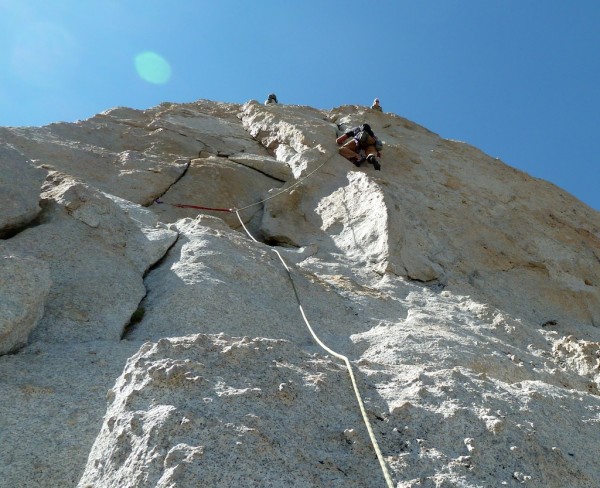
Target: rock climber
(359,139)
(376,105)
(272,99)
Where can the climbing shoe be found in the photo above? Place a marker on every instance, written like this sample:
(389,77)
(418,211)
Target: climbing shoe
(373,160)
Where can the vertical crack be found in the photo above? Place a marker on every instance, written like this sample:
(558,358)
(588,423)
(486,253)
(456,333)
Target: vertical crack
(139,314)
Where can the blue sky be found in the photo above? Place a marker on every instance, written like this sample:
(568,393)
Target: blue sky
(519,79)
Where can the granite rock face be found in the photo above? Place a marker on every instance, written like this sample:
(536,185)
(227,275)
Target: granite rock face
(217,411)
(465,294)
(24,286)
(20,183)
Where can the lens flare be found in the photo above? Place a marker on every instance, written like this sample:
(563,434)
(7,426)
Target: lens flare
(152,67)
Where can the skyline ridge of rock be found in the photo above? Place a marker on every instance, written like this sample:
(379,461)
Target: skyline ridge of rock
(465,293)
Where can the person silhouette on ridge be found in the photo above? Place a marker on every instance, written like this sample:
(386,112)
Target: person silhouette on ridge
(272,99)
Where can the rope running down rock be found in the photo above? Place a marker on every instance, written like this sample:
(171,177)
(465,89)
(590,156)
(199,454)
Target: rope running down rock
(382,463)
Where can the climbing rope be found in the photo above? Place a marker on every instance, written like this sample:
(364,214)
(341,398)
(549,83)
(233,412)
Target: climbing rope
(346,361)
(289,188)
(384,468)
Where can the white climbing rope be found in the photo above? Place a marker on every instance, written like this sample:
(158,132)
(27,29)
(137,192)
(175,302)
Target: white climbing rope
(285,189)
(384,469)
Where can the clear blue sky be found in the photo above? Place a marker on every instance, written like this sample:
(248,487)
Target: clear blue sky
(519,79)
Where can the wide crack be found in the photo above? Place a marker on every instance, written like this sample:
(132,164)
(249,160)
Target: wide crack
(138,315)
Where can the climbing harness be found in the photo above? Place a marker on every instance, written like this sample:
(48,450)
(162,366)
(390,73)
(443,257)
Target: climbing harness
(384,469)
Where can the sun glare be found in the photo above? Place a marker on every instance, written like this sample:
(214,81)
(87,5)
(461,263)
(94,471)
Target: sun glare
(152,67)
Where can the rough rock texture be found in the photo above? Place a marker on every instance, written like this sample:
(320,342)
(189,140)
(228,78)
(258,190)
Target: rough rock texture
(20,184)
(24,286)
(217,411)
(465,293)
(97,248)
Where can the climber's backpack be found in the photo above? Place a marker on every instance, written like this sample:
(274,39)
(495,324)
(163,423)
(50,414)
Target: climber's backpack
(363,138)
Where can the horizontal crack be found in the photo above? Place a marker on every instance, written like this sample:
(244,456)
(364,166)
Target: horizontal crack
(258,171)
